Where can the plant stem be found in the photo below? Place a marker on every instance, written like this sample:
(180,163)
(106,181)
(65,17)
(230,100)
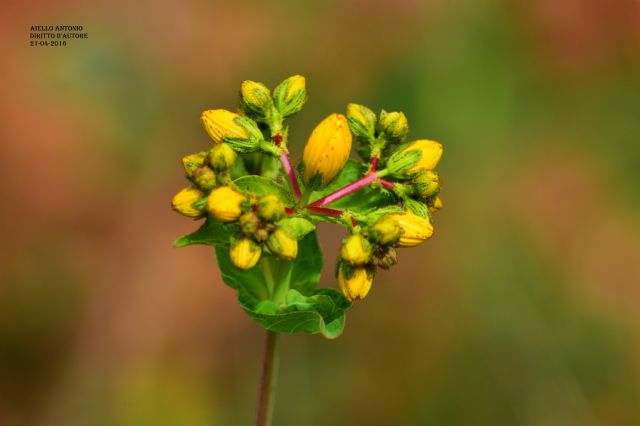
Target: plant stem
(291,174)
(344,191)
(266,393)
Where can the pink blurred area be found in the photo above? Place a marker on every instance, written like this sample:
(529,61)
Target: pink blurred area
(521,310)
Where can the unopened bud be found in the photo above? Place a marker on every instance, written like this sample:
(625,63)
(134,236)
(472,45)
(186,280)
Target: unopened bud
(362,121)
(183,202)
(255,100)
(354,283)
(426,183)
(261,235)
(225,204)
(355,250)
(386,259)
(290,95)
(434,204)
(327,150)
(430,153)
(249,223)
(240,132)
(282,245)
(204,178)
(192,162)
(222,157)
(245,253)
(270,208)
(416,229)
(394,126)
(385,231)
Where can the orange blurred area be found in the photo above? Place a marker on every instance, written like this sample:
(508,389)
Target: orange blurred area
(521,310)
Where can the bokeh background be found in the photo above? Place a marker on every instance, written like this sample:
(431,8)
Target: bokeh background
(522,310)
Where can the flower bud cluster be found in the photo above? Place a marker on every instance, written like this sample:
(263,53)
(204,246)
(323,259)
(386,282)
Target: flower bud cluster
(259,222)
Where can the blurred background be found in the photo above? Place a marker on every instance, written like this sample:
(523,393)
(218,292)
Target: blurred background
(522,310)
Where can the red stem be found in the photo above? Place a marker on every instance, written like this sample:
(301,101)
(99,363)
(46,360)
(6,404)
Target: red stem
(386,183)
(324,210)
(344,191)
(288,168)
(374,164)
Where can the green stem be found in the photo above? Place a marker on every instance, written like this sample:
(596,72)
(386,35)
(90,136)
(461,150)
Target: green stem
(266,393)
(267,273)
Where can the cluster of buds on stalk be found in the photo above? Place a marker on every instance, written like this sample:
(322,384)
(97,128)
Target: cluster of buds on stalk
(386,201)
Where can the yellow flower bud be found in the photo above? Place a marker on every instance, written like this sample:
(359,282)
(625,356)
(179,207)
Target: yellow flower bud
(192,162)
(282,245)
(184,200)
(249,223)
(290,95)
(416,229)
(394,126)
(270,208)
(355,285)
(385,231)
(362,121)
(222,157)
(245,253)
(327,149)
(221,124)
(224,204)
(255,99)
(426,183)
(204,178)
(434,204)
(430,153)
(355,250)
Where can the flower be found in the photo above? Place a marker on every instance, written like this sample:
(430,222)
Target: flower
(426,183)
(204,178)
(255,99)
(416,229)
(434,204)
(183,202)
(362,121)
(394,126)
(356,283)
(385,231)
(192,162)
(222,157)
(224,204)
(221,124)
(245,253)
(327,150)
(282,245)
(290,95)
(430,153)
(355,250)
(270,208)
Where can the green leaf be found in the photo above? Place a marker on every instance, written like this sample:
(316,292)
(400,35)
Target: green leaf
(296,227)
(210,233)
(260,186)
(282,296)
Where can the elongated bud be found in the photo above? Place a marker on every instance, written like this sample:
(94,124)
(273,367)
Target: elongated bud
(426,183)
(282,245)
(354,283)
(192,162)
(386,258)
(204,178)
(225,204)
(393,126)
(255,100)
(249,223)
(355,250)
(242,133)
(183,202)
(385,231)
(245,253)
(434,204)
(270,208)
(290,95)
(362,121)
(222,157)
(327,151)
(430,153)
(416,229)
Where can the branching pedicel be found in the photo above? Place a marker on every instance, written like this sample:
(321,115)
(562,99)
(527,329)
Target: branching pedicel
(261,216)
